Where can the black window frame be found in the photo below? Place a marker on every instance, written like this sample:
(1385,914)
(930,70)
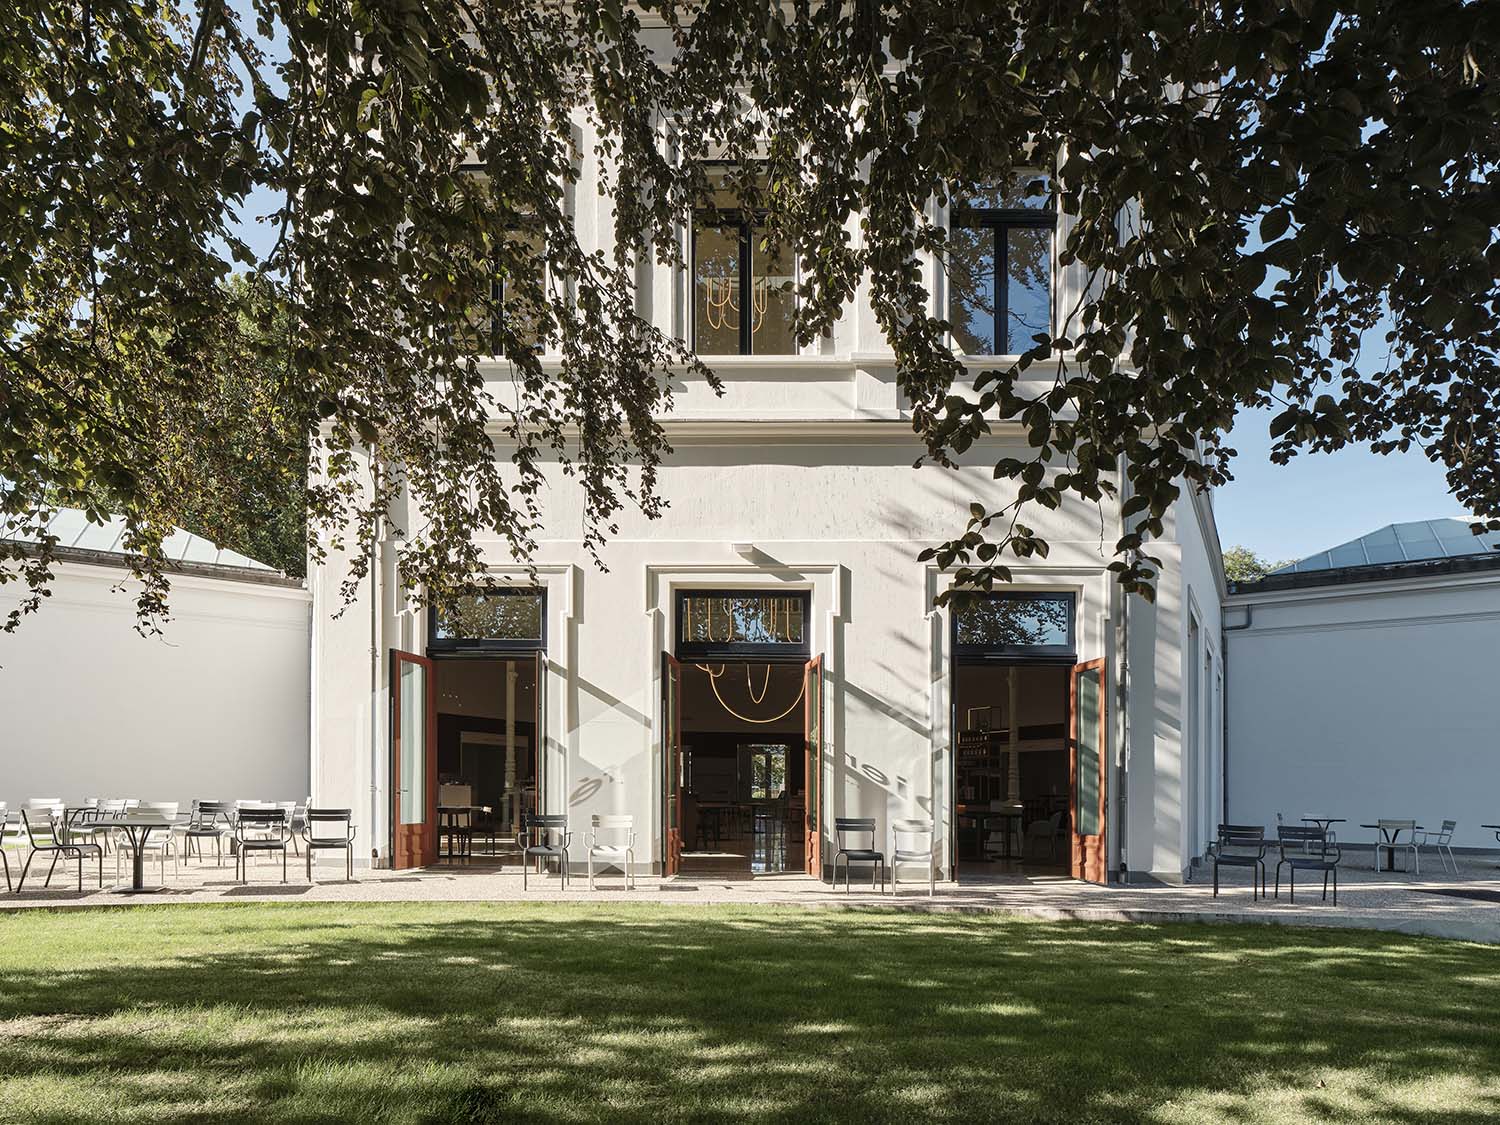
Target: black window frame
(789,652)
(437,646)
(1000,221)
(745,220)
(1062,654)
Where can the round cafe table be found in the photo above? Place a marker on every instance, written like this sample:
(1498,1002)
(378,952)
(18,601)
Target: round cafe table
(1324,822)
(1390,840)
(137,828)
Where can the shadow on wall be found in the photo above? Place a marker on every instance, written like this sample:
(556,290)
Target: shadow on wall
(442,1012)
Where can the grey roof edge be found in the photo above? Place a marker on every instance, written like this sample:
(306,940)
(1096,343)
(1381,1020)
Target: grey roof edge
(118,561)
(1372,572)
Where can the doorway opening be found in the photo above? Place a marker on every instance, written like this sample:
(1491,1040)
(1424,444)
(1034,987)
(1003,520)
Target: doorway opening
(487,738)
(743,769)
(1011,788)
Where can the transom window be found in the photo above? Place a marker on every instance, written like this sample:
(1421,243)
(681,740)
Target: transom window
(743,302)
(1000,268)
(507,620)
(1013,624)
(728,623)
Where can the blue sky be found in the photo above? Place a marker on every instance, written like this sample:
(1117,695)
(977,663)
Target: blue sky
(1319,500)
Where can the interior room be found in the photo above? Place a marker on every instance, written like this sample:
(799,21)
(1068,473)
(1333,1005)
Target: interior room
(486,753)
(1011,811)
(744,769)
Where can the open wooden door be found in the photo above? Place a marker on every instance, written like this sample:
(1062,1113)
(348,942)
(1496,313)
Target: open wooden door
(812,727)
(671,753)
(1088,761)
(413,761)
(539,737)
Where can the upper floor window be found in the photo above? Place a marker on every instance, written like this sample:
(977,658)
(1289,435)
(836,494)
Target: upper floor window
(742,291)
(513,308)
(1000,268)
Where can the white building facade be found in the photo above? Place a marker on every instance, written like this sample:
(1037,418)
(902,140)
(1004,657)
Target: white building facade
(828,685)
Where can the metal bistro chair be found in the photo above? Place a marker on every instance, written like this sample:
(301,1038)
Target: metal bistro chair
(1441,842)
(259,830)
(1241,845)
(329,830)
(858,826)
(60,847)
(620,853)
(912,842)
(209,820)
(4,838)
(1388,839)
(537,832)
(1307,849)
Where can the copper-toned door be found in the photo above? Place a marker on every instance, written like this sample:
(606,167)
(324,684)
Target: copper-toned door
(671,753)
(413,761)
(1088,760)
(812,727)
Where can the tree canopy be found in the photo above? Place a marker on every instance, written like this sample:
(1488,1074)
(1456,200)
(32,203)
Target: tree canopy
(1255,193)
(1242,564)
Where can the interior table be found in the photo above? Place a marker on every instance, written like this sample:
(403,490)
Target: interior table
(1390,839)
(137,828)
(449,819)
(982,818)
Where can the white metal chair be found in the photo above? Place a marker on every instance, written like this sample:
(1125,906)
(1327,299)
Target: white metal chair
(912,842)
(1441,842)
(619,853)
(161,845)
(1388,839)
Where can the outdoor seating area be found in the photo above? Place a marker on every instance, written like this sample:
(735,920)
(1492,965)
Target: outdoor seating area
(1313,846)
(143,836)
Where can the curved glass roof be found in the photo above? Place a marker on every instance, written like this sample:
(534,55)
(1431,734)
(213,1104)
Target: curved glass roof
(1420,541)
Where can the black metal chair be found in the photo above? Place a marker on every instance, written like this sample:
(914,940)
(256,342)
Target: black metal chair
(61,847)
(1307,849)
(1241,845)
(870,855)
(259,830)
(329,830)
(535,842)
(209,820)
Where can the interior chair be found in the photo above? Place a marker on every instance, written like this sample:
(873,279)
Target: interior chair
(1241,845)
(1441,842)
(538,831)
(59,846)
(615,847)
(329,830)
(912,842)
(1390,830)
(1306,848)
(161,844)
(1044,831)
(857,826)
(209,820)
(259,830)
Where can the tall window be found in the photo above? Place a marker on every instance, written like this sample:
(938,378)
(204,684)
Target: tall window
(513,301)
(742,292)
(1000,269)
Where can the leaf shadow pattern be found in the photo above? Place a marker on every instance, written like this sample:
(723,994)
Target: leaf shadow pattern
(455,1011)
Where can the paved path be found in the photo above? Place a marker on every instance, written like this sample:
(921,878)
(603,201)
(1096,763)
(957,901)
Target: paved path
(1367,900)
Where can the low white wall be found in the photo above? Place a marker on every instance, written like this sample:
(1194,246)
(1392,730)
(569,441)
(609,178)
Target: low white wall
(215,708)
(1367,701)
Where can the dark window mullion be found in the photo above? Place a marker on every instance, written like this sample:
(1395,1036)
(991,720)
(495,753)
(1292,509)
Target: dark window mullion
(747,289)
(1002,289)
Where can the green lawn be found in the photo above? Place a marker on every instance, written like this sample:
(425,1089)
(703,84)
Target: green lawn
(482,1012)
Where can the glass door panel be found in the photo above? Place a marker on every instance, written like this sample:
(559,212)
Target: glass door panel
(414,761)
(812,694)
(671,747)
(1088,765)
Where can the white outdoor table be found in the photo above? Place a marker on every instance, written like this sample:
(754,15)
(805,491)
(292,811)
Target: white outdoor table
(137,826)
